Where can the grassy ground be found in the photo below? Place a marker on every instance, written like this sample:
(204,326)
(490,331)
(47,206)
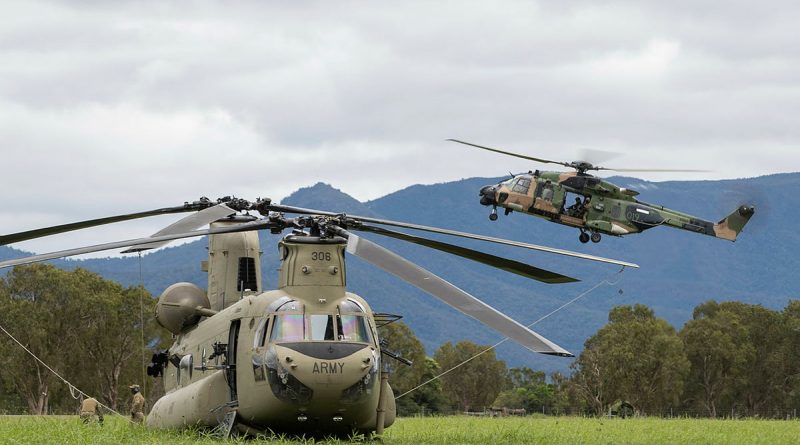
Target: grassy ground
(433,430)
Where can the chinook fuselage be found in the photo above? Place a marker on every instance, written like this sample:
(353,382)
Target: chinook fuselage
(303,358)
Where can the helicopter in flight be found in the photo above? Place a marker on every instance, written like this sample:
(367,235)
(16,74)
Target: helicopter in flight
(305,357)
(599,207)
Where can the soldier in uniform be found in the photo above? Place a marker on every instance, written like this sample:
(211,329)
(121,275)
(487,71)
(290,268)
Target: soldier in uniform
(137,405)
(574,209)
(90,410)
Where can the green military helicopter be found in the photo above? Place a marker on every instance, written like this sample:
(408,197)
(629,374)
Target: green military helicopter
(599,207)
(305,357)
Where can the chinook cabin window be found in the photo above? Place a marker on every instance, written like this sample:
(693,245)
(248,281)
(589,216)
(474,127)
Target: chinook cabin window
(321,327)
(351,324)
(288,327)
(247,275)
(353,328)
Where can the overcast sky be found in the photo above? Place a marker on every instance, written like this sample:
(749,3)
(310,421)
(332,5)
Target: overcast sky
(111,107)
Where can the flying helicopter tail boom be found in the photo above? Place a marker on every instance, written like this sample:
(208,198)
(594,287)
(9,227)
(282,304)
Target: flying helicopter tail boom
(733,224)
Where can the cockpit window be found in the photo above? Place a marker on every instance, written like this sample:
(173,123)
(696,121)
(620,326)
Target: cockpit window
(522,185)
(291,305)
(350,305)
(321,327)
(288,327)
(353,328)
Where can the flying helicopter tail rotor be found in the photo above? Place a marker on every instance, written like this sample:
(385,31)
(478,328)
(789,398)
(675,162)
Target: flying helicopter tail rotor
(450,294)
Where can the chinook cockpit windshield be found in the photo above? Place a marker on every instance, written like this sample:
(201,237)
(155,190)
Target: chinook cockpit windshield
(290,323)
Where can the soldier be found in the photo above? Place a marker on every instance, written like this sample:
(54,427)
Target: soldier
(137,405)
(90,408)
(574,209)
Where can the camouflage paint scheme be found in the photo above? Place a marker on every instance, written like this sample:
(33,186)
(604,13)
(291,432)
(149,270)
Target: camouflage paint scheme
(613,210)
(329,385)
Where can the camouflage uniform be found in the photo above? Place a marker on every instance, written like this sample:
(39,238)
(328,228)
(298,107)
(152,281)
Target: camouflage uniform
(137,405)
(90,408)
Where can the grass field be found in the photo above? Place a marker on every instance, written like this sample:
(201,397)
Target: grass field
(436,430)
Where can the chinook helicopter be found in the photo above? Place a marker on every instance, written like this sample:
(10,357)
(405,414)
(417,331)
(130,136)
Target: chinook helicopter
(303,358)
(600,207)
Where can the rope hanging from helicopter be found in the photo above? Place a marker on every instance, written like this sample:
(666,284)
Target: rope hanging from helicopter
(72,388)
(141,321)
(606,281)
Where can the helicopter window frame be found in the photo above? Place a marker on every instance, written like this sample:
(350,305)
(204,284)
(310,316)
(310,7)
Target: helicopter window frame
(262,333)
(521,185)
(352,313)
(359,332)
(282,320)
(328,327)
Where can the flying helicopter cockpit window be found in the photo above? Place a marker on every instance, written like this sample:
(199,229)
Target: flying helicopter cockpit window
(522,185)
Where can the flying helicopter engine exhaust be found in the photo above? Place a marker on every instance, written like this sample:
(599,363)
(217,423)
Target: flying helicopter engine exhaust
(600,207)
(305,357)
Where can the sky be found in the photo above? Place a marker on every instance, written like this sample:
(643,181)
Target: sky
(114,107)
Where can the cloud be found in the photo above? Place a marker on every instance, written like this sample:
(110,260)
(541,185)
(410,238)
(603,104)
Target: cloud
(113,107)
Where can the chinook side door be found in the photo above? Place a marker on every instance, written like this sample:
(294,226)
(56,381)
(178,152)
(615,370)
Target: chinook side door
(231,356)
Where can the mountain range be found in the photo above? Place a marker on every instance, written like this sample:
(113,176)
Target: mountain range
(679,270)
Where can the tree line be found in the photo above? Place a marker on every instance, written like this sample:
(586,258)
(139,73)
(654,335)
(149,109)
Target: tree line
(85,328)
(731,357)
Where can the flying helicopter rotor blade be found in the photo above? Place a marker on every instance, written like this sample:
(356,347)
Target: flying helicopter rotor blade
(189,223)
(668,170)
(450,294)
(253,225)
(300,210)
(530,158)
(38,233)
(508,265)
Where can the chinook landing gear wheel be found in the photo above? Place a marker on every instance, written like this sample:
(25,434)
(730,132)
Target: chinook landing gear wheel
(584,238)
(595,237)
(493,215)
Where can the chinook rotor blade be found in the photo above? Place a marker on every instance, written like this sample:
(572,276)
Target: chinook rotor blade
(187,224)
(38,233)
(244,227)
(508,265)
(300,210)
(450,294)
(509,153)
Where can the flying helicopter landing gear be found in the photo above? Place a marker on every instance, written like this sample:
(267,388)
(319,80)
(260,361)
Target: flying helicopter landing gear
(584,237)
(596,237)
(493,215)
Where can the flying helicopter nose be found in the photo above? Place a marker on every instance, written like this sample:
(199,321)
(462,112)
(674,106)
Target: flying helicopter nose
(487,194)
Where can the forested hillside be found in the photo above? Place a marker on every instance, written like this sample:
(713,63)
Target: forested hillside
(679,270)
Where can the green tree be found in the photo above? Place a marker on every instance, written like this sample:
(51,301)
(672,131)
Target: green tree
(717,349)
(477,382)
(635,357)
(529,390)
(400,339)
(739,356)
(86,328)
(790,348)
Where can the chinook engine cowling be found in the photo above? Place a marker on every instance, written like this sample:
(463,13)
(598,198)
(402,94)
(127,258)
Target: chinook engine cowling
(181,306)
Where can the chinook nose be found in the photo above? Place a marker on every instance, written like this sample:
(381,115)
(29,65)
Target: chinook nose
(487,194)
